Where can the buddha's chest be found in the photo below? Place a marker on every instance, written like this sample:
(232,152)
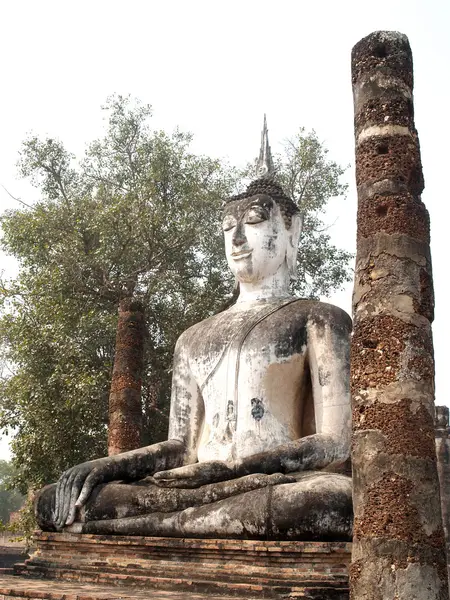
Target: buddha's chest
(250,373)
(244,345)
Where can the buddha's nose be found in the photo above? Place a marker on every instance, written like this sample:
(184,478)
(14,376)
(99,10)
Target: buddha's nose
(239,236)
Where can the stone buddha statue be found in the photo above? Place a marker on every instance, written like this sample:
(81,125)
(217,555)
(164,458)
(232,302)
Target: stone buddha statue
(259,424)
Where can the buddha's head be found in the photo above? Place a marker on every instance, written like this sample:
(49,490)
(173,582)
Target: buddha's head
(262,228)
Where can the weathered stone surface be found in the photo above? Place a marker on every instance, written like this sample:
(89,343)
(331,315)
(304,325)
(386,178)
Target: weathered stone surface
(398,543)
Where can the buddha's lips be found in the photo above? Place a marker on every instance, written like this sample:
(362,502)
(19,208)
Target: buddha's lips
(241,254)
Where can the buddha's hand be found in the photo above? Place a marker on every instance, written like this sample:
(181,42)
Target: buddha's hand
(192,476)
(75,486)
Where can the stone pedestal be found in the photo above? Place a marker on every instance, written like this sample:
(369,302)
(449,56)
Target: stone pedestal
(243,568)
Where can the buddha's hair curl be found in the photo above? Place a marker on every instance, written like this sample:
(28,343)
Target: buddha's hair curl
(269,187)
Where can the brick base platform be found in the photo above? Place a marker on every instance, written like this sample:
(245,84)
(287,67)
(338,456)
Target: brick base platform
(14,588)
(184,568)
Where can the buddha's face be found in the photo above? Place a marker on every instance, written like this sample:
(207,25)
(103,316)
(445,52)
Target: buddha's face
(256,238)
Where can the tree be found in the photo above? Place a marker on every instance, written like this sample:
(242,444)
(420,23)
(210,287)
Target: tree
(311,179)
(10,500)
(137,217)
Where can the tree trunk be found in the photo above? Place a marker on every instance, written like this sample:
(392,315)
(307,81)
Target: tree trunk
(398,546)
(125,410)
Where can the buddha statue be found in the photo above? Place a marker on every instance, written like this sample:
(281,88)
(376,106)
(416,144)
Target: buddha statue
(259,426)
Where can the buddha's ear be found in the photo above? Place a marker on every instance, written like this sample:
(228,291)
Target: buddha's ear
(294,237)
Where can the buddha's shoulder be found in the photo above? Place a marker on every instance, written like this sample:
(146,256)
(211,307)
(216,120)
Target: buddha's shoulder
(322,313)
(297,313)
(304,311)
(193,332)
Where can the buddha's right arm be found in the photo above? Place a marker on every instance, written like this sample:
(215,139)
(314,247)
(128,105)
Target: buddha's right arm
(76,484)
(185,423)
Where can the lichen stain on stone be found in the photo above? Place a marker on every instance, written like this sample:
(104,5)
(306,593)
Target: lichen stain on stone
(324,376)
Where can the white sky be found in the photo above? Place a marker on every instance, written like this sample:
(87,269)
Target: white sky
(213,68)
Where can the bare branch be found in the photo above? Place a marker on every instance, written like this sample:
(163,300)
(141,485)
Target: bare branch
(14,198)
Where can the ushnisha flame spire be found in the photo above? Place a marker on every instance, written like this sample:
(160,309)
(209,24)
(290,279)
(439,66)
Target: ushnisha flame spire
(265,182)
(264,164)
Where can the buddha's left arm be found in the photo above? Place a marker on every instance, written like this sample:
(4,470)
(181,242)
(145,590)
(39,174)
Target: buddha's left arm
(328,355)
(329,363)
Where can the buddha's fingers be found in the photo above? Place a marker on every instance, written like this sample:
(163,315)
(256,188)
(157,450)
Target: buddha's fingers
(60,497)
(57,497)
(189,476)
(279,478)
(77,484)
(65,499)
(188,483)
(195,475)
(93,479)
(177,473)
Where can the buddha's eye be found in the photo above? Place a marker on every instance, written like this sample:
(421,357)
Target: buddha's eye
(256,214)
(228,223)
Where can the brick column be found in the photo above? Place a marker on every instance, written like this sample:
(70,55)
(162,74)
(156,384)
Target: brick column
(125,410)
(398,547)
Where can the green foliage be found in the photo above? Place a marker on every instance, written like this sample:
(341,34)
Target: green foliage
(139,215)
(10,500)
(23,526)
(311,179)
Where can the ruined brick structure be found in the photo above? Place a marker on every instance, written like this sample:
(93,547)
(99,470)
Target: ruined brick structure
(125,411)
(215,568)
(398,546)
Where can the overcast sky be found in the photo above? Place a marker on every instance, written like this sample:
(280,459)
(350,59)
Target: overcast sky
(214,68)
